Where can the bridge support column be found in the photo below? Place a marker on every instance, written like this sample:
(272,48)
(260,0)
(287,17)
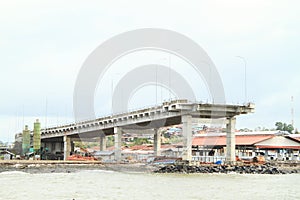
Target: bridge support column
(118,143)
(157,142)
(187,137)
(102,142)
(230,141)
(67,146)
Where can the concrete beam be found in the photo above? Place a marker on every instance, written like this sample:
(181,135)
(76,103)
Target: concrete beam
(230,141)
(138,131)
(187,137)
(118,143)
(157,142)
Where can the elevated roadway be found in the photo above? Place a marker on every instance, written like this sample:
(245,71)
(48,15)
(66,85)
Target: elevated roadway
(169,113)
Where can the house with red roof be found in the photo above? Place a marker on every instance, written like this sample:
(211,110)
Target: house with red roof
(212,147)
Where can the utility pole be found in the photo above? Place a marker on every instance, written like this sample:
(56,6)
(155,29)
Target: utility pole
(169,77)
(46,113)
(292,110)
(156,85)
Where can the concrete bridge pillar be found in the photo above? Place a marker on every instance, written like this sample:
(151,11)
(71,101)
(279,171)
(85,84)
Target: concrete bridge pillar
(230,141)
(157,142)
(102,142)
(187,137)
(67,146)
(118,143)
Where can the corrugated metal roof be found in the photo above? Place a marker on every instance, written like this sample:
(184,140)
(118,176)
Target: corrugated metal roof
(279,142)
(238,133)
(279,147)
(295,137)
(221,140)
(150,147)
(142,147)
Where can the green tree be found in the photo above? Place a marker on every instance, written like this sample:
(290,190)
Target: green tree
(289,128)
(140,141)
(279,126)
(284,127)
(110,141)
(79,144)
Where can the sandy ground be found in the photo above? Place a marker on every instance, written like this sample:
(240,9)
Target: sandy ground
(71,167)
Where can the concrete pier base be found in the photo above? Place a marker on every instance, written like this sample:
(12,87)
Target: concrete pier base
(157,142)
(230,141)
(187,137)
(67,146)
(118,143)
(102,142)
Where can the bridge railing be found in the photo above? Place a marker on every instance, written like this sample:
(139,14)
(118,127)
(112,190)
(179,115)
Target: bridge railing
(128,112)
(107,117)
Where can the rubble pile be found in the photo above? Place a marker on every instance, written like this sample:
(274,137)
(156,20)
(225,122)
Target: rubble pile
(245,169)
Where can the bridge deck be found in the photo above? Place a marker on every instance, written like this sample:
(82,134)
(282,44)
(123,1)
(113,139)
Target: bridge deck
(169,113)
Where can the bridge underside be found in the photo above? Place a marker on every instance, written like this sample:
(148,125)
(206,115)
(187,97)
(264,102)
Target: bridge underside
(170,113)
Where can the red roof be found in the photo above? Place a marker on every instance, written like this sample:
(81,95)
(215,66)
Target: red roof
(221,140)
(278,147)
(142,147)
(150,147)
(295,138)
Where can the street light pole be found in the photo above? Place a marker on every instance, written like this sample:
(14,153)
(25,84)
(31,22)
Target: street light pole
(245,65)
(169,77)
(156,85)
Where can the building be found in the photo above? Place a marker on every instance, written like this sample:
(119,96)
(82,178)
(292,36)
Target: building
(272,145)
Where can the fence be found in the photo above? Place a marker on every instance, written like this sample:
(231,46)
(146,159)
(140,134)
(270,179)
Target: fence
(209,159)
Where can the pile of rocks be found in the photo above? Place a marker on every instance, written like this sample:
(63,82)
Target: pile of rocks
(245,169)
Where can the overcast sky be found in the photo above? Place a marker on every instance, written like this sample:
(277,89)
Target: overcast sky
(43,45)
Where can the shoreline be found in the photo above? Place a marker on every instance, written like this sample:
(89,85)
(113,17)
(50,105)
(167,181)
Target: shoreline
(35,167)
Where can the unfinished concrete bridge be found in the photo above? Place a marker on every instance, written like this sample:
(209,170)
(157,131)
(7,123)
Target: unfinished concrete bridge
(169,113)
